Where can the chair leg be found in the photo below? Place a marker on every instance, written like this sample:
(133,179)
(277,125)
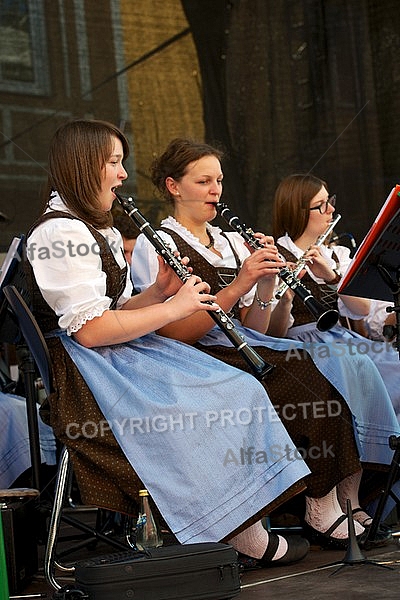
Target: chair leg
(62,489)
(50,562)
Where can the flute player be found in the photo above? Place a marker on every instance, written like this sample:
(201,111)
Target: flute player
(189,176)
(303,209)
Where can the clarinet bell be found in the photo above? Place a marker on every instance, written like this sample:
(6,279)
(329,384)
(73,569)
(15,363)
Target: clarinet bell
(326,318)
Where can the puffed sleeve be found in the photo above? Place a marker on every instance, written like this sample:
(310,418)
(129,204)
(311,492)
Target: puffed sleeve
(144,266)
(68,270)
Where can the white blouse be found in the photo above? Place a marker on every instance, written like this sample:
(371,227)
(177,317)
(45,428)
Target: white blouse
(144,267)
(376,319)
(67,266)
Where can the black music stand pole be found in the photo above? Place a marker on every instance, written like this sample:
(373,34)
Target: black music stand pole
(394,287)
(394,443)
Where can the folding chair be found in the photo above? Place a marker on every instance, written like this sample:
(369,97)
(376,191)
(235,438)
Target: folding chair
(12,272)
(38,348)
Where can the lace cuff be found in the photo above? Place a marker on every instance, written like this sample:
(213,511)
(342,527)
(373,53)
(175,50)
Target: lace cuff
(79,321)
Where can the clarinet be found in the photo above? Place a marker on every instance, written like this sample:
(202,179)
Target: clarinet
(325,318)
(254,360)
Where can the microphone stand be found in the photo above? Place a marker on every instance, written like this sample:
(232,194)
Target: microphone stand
(353,555)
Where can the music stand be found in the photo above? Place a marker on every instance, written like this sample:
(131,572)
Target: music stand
(375,273)
(375,269)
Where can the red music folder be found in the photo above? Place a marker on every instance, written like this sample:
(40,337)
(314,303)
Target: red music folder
(381,246)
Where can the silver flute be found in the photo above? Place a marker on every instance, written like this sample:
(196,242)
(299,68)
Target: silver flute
(302,261)
(259,366)
(325,318)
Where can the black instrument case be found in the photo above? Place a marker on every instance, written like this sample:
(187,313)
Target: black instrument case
(185,572)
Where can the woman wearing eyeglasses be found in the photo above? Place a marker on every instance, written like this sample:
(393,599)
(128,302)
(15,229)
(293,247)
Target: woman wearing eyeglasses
(303,210)
(189,176)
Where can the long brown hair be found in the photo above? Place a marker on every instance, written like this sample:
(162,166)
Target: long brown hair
(173,162)
(78,154)
(292,203)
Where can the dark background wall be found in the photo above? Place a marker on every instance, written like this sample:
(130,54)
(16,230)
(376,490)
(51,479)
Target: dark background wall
(299,86)
(284,85)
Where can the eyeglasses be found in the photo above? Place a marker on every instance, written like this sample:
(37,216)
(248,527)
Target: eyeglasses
(323,207)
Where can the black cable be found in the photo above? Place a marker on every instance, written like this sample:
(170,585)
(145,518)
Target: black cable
(136,62)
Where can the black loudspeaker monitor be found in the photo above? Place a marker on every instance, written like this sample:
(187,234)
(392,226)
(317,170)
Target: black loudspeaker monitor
(20,543)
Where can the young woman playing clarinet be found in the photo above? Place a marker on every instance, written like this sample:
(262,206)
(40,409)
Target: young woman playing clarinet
(189,176)
(303,209)
(136,409)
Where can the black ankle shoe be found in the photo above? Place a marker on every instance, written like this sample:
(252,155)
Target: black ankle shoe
(383,537)
(298,548)
(326,540)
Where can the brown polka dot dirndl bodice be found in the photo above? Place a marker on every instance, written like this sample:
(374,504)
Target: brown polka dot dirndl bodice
(299,392)
(104,476)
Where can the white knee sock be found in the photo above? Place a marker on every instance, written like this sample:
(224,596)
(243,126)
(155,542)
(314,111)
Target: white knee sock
(321,513)
(348,489)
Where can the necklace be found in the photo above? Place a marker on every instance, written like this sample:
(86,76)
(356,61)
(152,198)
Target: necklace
(211,244)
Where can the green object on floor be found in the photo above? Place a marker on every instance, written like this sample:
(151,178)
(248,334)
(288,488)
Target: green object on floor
(4,593)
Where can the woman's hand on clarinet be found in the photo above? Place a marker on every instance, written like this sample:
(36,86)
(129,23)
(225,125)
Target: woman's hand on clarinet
(194,295)
(167,282)
(185,298)
(262,265)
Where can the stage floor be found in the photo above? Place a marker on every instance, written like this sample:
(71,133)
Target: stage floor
(311,579)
